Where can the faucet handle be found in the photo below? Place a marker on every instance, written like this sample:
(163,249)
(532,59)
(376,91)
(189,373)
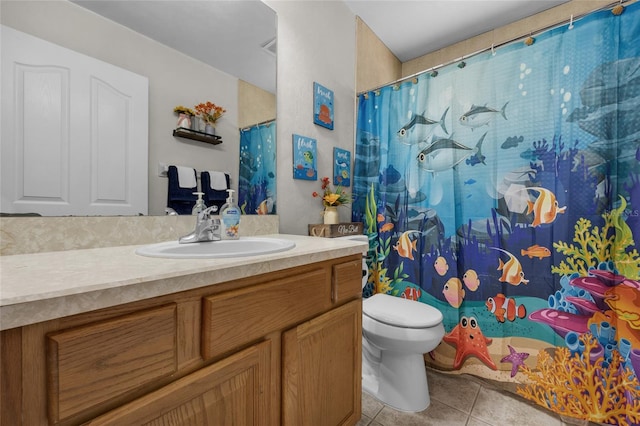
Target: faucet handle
(204,214)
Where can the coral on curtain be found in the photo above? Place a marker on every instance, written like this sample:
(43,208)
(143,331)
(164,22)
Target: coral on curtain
(505,191)
(257,182)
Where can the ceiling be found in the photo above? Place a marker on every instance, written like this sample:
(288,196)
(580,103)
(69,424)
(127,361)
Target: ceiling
(208,30)
(411,29)
(234,36)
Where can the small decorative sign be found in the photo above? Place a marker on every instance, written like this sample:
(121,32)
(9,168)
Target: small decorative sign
(322,106)
(336,230)
(341,167)
(304,158)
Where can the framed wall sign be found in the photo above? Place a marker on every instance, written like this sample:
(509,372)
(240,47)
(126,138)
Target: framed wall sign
(322,106)
(304,158)
(341,167)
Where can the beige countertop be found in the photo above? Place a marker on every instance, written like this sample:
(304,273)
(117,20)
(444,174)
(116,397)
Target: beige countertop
(43,286)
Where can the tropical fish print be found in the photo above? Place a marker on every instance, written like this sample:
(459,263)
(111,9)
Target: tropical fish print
(536,251)
(386,227)
(442,154)
(441,266)
(512,272)
(471,280)
(263,208)
(411,293)
(404,246)
(479,116)
(477,157)
(505,308)
(545,208)
(453,292)
(308,156)
(420,119)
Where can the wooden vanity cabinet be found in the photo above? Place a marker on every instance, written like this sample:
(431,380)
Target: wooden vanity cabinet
(278,348)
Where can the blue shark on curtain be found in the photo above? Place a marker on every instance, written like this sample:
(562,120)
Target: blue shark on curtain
(506,193)
(257,182)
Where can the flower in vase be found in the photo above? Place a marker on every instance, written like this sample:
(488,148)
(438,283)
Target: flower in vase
(331,198)
(184,110)
(209,112)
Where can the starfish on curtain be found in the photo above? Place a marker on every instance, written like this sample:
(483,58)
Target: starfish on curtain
(515,358)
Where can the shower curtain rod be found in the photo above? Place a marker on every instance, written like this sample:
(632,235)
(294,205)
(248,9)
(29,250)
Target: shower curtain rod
(258,124)
(493,47)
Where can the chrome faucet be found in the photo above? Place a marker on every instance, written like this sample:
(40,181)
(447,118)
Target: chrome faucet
(207,228)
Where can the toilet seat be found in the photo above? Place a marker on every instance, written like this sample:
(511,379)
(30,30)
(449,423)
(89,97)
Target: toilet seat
(400,312)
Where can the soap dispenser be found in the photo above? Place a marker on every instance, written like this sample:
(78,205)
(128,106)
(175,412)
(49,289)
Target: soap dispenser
(230,214)
(200,206)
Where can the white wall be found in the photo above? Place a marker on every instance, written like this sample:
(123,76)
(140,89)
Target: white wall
(316,42)
(174,79)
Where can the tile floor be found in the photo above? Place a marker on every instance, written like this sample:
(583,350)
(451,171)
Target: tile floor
(461,401)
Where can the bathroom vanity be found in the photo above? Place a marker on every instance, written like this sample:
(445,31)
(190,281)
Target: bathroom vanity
(107,337)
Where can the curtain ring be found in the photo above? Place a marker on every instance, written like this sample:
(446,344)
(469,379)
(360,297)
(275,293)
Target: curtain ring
(617,10)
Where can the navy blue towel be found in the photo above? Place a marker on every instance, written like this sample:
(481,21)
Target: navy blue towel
(181,200)
(213,197)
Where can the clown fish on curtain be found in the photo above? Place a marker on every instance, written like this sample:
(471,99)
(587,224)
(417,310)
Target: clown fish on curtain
(257,177)
(507,194)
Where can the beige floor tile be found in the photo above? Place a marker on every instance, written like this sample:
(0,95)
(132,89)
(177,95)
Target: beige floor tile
(437,414)
(497,408)
(370,406)
(475,422)
(455,391)
(364,421)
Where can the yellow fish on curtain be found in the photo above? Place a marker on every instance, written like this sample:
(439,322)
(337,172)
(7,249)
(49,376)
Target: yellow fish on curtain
(506,194)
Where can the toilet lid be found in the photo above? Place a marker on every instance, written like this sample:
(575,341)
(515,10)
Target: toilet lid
(400,312)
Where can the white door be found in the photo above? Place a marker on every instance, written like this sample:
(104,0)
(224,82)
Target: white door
(74,132)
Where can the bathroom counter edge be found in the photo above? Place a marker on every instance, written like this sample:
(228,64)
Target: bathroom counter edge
(43,286)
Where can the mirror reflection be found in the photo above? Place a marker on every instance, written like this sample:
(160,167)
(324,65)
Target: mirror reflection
(189,52)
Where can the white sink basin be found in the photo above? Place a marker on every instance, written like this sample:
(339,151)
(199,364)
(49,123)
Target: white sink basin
(245,246)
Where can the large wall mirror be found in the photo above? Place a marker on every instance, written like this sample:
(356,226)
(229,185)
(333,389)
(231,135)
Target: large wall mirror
(189,51)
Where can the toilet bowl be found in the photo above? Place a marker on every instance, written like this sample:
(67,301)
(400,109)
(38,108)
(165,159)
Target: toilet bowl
(396,333)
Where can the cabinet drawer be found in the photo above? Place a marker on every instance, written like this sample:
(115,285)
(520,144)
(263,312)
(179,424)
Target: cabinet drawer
(238,317)
(92,364)
(346,283)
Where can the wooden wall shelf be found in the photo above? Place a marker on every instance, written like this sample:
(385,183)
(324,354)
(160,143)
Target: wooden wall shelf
(182,132)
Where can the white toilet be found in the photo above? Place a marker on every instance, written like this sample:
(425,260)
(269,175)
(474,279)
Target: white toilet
(396,333)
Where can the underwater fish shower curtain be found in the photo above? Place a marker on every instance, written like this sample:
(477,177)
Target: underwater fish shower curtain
(257,182)
(505,191)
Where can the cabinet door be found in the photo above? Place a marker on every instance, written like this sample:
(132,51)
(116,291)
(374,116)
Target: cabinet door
(322,369)
(233,391)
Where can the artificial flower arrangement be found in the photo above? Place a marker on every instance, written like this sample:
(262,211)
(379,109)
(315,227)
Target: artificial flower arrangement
(332,198)
(184,110)
(209,112)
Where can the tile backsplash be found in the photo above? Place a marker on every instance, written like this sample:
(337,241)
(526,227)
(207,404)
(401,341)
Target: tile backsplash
(21,235)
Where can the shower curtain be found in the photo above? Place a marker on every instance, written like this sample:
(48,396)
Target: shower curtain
(257,182)
(505,191)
